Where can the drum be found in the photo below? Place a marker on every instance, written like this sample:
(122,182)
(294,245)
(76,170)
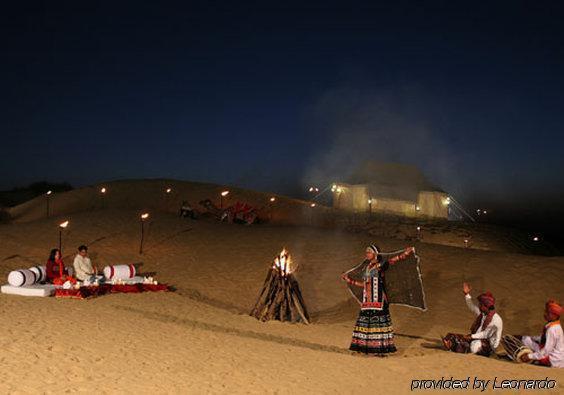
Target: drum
(515,348)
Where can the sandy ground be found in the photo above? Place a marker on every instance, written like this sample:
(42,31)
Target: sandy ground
(200,338)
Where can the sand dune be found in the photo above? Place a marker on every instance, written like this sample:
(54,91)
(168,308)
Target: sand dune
(151,195)
(200,339)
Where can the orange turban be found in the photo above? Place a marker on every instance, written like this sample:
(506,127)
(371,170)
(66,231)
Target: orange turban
(553,308)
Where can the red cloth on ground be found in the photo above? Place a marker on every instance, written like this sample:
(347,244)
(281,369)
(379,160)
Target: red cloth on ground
(155,287)
(126,288)
(93,291)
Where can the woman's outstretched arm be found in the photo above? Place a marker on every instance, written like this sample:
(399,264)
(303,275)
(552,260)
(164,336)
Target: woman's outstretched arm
(408,251)
(349,280)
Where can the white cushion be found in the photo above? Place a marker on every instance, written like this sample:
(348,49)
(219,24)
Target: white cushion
(29,290)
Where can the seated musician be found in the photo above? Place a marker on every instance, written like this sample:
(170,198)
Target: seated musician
(485,333)
(548,349)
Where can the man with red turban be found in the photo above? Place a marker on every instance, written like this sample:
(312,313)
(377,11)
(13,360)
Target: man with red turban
(548,349)
(485,333)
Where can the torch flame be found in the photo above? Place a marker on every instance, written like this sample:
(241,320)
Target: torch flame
(103,190)
(64,224)
(168,190)
(273,199)
(145,216)
(49,192)
(283,262)
(224,193)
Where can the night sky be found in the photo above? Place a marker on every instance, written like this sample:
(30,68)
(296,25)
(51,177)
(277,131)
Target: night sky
(275,97)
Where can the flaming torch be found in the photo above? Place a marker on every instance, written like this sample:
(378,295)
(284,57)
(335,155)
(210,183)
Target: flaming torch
(167,198)
(103,191)
(62,226)
(144,217)
(271,206)
(48,197)
(221,196)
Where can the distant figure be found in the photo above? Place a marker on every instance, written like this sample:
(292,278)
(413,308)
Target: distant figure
(55,267)
(548,349)
(485,333)
(186,211)
(83,267)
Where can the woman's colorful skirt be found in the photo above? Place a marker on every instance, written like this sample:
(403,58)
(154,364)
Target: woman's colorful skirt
(373,332)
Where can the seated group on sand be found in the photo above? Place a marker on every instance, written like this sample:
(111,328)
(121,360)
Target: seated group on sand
(486,334)
(82,268)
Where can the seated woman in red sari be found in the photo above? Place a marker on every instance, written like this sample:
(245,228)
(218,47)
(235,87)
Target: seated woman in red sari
(373,333)
(55,267)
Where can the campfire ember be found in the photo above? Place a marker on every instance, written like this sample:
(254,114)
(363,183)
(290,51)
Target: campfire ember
(280,298)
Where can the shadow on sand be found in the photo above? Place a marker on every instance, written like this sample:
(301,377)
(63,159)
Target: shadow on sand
(287,341)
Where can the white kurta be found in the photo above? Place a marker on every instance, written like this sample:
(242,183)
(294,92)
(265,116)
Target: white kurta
(83,267)
(492,332)
(553,348)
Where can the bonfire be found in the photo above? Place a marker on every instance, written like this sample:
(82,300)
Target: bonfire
(280,298)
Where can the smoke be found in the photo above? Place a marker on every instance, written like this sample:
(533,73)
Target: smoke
(353,126)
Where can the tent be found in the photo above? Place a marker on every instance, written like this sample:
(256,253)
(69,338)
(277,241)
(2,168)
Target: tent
(393,188)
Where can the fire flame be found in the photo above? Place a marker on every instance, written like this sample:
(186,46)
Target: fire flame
(144,216)
(283,262)
(64,224)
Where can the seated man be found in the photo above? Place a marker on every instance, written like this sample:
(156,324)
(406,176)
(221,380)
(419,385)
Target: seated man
(548,349)
(84,270)
(486,330)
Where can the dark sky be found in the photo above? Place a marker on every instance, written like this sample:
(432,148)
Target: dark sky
(274,96)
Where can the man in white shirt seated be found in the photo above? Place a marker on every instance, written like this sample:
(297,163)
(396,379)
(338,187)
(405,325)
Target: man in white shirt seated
(84,270)
(485,332)
(548,349)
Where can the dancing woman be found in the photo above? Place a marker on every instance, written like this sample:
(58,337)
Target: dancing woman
(373,333)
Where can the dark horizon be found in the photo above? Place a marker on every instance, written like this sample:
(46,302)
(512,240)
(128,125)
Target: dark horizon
(279,97)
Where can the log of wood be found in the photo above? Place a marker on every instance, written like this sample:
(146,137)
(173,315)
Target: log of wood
(280,299)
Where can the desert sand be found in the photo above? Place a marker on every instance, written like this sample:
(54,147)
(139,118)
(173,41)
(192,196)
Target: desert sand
(200,338)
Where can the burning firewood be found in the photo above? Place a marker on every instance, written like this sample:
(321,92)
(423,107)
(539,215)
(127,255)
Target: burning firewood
(280,298)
